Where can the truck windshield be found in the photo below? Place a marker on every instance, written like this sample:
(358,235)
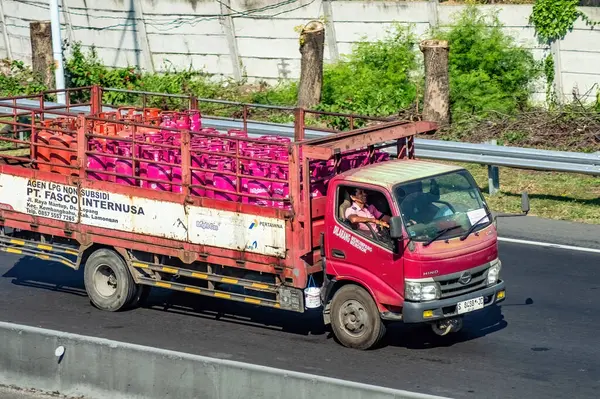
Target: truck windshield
(451,201)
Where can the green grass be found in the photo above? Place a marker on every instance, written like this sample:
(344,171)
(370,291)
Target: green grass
(553,195)
(19,152)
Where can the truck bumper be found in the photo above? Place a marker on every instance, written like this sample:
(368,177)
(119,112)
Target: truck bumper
(421,312)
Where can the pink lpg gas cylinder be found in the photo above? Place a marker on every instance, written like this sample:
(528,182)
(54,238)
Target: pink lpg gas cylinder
(381,156)
(198,160)
(155,171)
(195,120)
(256,186)
(216,145)
(95,162)
(224,181)
(197,175)
(125,167)
(237,133)
(198,179)
(168,122)
(317,187)
(280,190)
(182,123)
(177,175)
(112,148)
(211,163)
(173,152)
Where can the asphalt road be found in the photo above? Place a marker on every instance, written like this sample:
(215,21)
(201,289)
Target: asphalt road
(541,343)
(561,232)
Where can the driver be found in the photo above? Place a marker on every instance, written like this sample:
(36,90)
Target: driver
(418,207)
(361,213)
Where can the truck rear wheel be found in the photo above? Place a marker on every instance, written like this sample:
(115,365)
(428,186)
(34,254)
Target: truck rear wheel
(139,297)
(355,318)
(107,280)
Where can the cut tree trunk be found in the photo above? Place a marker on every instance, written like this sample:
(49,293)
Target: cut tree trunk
(42,59)
(312,41)
(436,106)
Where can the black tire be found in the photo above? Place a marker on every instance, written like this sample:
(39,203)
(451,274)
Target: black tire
(352,300)
(107,280)
(139,298)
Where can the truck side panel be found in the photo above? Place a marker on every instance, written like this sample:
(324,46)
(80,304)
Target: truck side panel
(105,209)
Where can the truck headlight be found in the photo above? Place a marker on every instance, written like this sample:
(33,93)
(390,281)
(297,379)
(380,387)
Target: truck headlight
(418,291)
(494,273)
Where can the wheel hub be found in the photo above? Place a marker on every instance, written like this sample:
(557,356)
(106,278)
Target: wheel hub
(353,317)
(105,280)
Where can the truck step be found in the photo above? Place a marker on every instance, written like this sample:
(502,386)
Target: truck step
(211,293)
(49,252)
(216,278)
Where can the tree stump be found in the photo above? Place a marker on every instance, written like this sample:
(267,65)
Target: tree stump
(42,59)
(312,39)
(436,106)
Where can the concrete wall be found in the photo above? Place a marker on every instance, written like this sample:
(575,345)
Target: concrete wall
(99,368)
(257,39)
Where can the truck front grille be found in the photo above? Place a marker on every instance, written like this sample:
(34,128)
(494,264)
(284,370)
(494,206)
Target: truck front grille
(451,284)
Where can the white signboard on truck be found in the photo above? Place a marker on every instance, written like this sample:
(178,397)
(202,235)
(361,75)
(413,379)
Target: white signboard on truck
(198,225)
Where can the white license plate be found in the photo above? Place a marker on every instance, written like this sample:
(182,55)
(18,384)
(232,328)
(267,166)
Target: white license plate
(469,305)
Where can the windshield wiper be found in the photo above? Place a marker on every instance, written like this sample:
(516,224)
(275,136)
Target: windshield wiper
(441,233)
(464,237)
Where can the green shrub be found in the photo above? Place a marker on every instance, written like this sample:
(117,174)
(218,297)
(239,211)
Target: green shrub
(17,79)
(87,69)
(375,79)
(488,70)
(283,94)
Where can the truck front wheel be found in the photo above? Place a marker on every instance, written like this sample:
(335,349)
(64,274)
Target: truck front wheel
(108,282)
(355,318)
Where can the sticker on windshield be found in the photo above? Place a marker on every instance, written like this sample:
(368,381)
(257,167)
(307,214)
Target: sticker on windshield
(477,215)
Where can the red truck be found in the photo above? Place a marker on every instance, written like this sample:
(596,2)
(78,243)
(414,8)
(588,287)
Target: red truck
(374,239)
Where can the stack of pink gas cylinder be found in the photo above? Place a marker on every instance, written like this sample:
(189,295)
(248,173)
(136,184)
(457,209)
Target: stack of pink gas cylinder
(211,150)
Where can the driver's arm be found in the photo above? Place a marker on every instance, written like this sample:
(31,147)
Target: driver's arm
(380,216)
(360,219)
(354,218)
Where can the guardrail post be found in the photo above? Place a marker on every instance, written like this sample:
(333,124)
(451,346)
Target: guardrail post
(493,176)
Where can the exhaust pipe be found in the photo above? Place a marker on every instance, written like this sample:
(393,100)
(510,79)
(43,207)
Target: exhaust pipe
(446,326)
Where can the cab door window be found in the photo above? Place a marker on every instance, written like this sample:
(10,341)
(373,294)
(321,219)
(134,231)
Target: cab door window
(366,212)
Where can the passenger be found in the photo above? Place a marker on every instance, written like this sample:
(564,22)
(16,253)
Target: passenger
(361,213)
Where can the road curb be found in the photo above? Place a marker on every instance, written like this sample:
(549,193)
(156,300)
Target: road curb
(77,365)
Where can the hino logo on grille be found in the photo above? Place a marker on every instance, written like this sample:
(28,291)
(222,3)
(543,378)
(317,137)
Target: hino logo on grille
(465,278)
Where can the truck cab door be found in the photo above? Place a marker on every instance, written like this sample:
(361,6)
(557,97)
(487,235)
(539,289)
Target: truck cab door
(358,254)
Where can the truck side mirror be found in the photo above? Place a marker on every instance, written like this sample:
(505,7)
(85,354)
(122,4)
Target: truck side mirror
(525,202)
(396,227)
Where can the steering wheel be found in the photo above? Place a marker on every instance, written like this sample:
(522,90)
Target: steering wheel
(384,233)
(381,234)
(372,231)
(445,203)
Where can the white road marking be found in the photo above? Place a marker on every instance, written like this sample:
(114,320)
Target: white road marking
(550,245)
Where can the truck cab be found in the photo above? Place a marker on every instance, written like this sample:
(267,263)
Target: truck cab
(435,259)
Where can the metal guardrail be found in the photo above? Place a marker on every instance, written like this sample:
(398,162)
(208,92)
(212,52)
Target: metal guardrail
(76,365)
(485,154)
